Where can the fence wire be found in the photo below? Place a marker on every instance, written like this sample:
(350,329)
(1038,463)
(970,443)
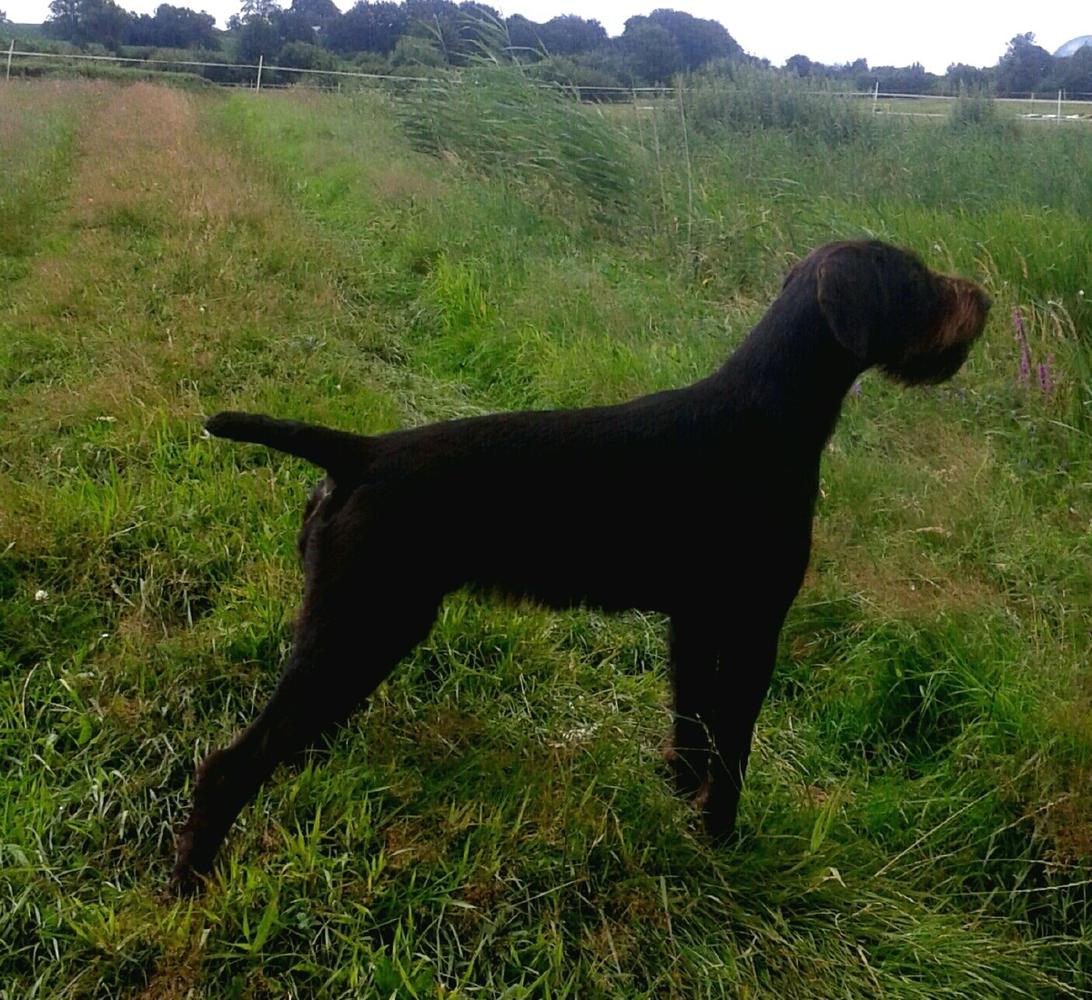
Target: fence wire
(330,77)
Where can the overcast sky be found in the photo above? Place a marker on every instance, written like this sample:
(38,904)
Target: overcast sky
(933,32)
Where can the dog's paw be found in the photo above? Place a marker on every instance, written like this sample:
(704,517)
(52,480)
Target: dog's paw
(719,814)
(687,773)
(185,882)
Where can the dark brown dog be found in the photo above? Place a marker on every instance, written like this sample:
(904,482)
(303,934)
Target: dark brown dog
(696,502)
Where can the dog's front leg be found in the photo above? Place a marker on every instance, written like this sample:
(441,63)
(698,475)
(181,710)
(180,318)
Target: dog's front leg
(745,667)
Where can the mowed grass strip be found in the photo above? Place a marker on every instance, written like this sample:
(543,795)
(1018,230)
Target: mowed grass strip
(497,823)
(158,256)
(36,139)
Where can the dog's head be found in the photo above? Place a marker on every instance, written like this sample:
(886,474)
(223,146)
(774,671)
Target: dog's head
(887,308)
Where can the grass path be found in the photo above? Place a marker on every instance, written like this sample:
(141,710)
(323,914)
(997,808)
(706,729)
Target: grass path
(496,824)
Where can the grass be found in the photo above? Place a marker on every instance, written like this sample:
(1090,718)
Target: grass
(918,821)
(1006,107)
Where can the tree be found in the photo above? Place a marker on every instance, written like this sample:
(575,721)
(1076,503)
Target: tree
(438,20)
(1025,67)
(265,10)
(1074,74)
(458,31)
(524,35)
(85,21)
(652,54)
(912,79)
(174,28)
(961,77)
(699,40)
(800,65)
(4,18)
(367,27)
(308,20)
(104,22)
(64,20)
(473,10)
(315,11)
(569,34)
(259,30)
(257,37)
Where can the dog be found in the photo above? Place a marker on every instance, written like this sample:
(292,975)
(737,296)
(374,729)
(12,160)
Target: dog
(695,502)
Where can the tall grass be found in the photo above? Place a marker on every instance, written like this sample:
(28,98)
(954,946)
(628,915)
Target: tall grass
(752,100)
(978,110)
(36,138)
(525,134)
(1008,205)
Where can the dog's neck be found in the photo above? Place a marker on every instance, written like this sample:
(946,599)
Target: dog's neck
(791,366)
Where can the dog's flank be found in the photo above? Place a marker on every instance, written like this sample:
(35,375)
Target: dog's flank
(696,502)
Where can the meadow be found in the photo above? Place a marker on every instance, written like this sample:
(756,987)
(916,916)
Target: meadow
(918,816)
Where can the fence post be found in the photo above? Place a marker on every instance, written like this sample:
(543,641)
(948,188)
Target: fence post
(689,169)
(876,97)
(1059,105)
(11,52)
(258,81)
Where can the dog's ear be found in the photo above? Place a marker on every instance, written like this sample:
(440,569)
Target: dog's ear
(793,272)
(853,298)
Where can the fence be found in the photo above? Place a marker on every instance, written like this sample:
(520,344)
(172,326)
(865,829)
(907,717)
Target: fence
(331,79)
(260,69)
(1058,101)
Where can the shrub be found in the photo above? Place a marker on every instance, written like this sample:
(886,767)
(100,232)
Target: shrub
(750,100)
(977,110)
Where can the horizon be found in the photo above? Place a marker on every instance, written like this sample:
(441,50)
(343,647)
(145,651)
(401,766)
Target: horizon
(798,28)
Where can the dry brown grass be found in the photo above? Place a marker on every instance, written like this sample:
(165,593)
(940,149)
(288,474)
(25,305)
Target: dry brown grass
(907,585)
(167,250)
(146,150)
(28,104)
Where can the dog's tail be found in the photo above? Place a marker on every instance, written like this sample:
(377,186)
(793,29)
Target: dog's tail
(341,454)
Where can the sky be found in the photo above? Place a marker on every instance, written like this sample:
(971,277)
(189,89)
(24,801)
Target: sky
(932,32)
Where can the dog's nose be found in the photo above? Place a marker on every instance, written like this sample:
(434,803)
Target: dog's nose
(986,301)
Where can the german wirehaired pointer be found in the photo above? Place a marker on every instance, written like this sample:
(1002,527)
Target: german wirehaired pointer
(695,502)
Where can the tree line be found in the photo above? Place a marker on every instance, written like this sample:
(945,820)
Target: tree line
(1025,68)
(412,35)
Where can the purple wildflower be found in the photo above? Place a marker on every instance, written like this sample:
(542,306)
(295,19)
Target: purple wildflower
(1025,353)
(1046,378)
(855,389)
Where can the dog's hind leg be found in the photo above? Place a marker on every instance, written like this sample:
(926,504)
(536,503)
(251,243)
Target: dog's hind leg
(346,644)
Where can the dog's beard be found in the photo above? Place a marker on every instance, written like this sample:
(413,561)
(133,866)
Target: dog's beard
(928,369)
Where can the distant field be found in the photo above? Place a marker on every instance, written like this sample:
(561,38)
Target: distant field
(1009,108)
(918,819)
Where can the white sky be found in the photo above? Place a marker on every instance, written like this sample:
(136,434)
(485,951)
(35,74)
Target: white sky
(933,32)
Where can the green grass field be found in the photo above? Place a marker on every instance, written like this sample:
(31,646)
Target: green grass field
(918,816)
(1011,108)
